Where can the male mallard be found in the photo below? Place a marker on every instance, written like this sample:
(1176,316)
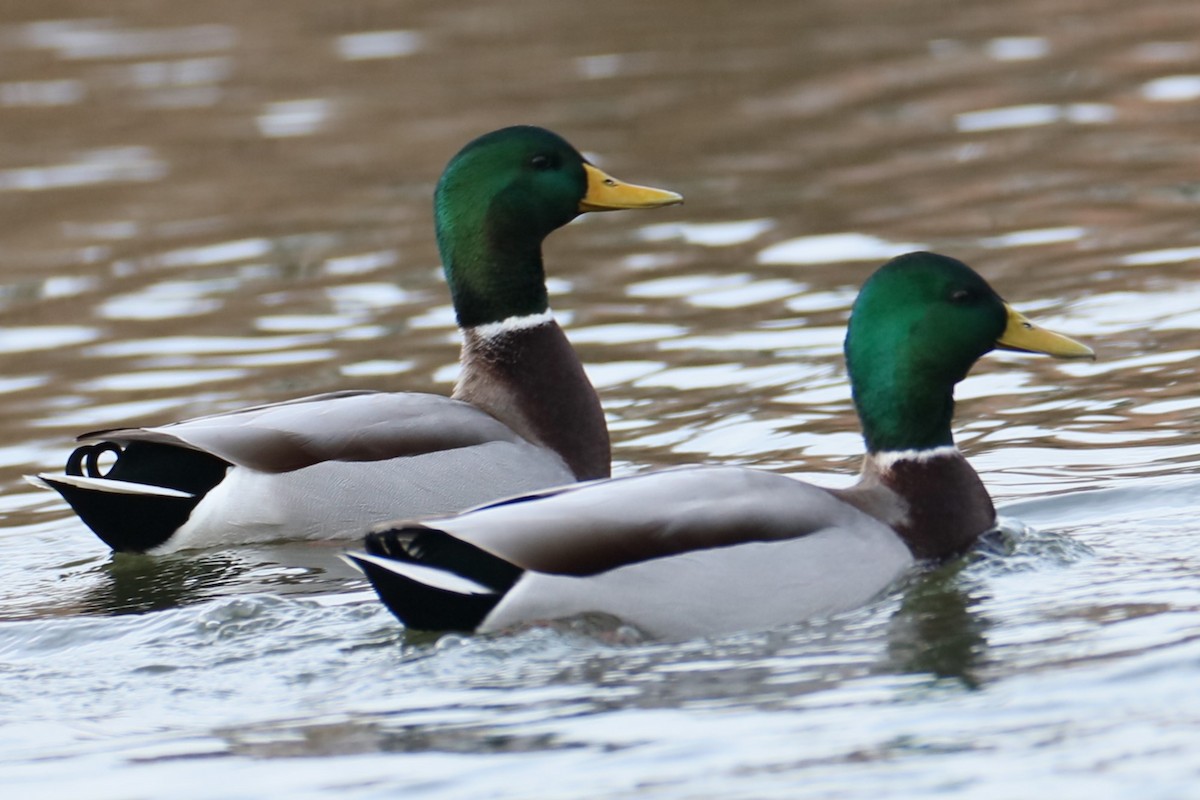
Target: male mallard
(706,550)
(523,415)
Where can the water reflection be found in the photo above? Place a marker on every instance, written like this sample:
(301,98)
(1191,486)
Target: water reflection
(939,628)
(87,39)
(293,117)
(1037,236)
(709,234)
(133,584)
(833,248)
(205,212)
(1025,116)
(15,339)
(371,45)
(1172,89)
(42,93)
(1018,48)
(106,165)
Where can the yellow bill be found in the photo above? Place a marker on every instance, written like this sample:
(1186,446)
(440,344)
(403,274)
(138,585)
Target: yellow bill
(606,193)
(1021,334)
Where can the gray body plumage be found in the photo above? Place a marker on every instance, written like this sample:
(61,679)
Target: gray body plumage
(685,552)
(328,465)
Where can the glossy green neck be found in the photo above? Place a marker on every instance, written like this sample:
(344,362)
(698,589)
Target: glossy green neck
(493,271)
(899,412)
(918,326)
(494,205)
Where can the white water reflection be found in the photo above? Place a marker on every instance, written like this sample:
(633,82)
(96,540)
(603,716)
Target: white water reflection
(221,253)
(1032,115)
(288,323)
(649,261)
(743,435)
(191,345)
(443,317)
(998,383)
(352,298)
(359,264)
(375,367)
(64,286)
(615,373)
(604,66)
(718,291)
(1167,407)
(814,341)
(116,230)
(708,234)
(184,72)
(105,165)
(360,333)
(683,286)
(1170,255)
(622,332)
(87,39)
(168,299)
(278,359)
(822,389)
(748,294)
(1035,236)
(17,383)
(44,337)
(293,117)
(159,379)
(1018,48)
(832,248)
(831,300)
(372,45)
(1177,307)
(1172,89)
(712,376)
(34,94)
(93,415)
(1084,369)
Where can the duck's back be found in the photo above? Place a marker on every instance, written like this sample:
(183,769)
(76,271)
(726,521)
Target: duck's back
(316,467)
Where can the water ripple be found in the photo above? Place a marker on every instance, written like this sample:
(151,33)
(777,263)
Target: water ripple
(834,248)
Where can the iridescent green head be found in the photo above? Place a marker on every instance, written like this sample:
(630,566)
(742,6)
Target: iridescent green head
(498,199)
(918,326)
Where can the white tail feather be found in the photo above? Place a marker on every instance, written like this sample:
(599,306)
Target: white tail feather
(105,485)
(430,576)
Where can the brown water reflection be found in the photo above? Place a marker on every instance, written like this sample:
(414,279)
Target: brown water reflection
(203,207)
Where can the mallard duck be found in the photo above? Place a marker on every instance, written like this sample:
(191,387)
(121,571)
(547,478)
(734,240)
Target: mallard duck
(522,416)
(707,550)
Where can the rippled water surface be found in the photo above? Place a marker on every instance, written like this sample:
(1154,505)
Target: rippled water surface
(209,205)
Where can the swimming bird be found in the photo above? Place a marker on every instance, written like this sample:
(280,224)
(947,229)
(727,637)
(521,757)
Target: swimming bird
(522,416)
(707,550)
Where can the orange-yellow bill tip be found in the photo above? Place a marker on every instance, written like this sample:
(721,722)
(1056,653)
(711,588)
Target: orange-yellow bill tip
(1021,334)
(606,193)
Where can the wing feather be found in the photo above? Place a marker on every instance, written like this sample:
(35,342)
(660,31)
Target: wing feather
(592,528)
(341,426)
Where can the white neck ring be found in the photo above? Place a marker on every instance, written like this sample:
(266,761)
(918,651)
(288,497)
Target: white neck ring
(490,330)
(885,460)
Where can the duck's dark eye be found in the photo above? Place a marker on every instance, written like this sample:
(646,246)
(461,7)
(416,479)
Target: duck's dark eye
(541,162)
(962,297)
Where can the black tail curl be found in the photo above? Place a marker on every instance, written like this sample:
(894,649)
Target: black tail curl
(84,461)
(131,522)
(424,607)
